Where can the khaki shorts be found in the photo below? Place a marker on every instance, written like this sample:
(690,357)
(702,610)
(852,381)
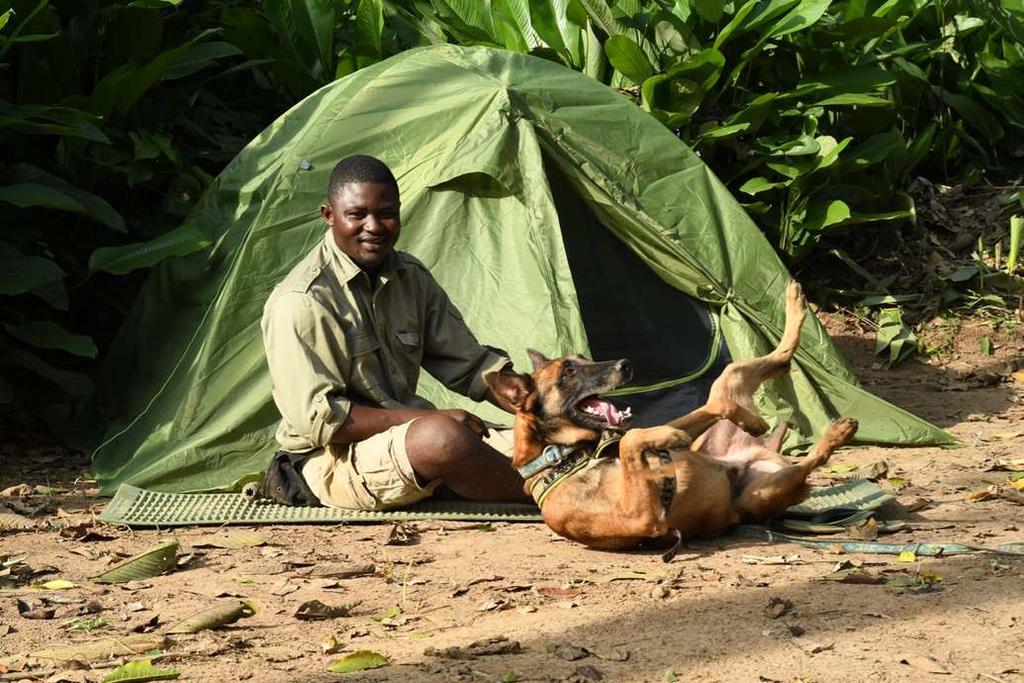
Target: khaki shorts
(375,474)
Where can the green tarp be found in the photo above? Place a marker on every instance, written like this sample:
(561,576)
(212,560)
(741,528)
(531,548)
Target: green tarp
(471,134)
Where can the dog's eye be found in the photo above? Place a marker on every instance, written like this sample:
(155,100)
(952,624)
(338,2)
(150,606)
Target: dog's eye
(568,369)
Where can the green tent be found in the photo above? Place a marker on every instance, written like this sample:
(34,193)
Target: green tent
(556,214)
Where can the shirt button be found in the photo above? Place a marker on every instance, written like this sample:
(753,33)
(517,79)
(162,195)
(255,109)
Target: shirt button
(319,399)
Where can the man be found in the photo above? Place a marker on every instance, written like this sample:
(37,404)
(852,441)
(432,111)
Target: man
(346,333)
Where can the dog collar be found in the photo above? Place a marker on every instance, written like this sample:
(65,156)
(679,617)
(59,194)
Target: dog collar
(549,457)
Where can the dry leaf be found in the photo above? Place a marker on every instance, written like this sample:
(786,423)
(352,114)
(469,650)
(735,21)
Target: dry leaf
(498,645)
(235,539)
(341,571)
(924,663)
(145,565)
(314,610)
(104,649)
(216,616)
(556,592)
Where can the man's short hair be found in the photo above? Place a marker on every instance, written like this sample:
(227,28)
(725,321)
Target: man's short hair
(360,168)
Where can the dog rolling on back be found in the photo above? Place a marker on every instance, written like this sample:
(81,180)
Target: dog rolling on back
(697,476)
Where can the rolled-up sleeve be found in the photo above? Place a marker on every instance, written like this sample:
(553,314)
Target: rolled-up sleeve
(451,353)
(308,383)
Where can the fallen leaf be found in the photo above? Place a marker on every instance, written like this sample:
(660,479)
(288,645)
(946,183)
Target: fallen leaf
(16,491)
(87,625)
(812,647)
(330,644)
(778,607)
(924,663)
(497,645)
(218,615)
(402,534)
(284,588)
(907,556)
(145,625)
(897,483)
(589,672)
(917,504)
(232,540)
(84,533)
(389,613)
(34,608)
(556,592)
(569,652)
(488,605)
(138,671)
(865,531)
(359,660)
(104,649)
(10,521)
(771,560)
(341,571)
(877,470)
(625,575)
(855,576)
(979,496)
(55,585)
(838,468)
(314,610)
(145,565)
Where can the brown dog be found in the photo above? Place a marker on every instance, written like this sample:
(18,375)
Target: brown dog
(663,484)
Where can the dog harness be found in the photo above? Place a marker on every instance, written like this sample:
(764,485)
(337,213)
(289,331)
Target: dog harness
(565,461)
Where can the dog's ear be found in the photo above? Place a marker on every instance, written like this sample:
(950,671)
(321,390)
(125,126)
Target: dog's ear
(537,358)
(510,390)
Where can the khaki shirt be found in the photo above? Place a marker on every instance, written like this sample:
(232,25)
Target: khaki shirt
(332,342)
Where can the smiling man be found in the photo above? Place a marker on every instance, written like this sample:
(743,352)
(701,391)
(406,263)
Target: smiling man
(346,333)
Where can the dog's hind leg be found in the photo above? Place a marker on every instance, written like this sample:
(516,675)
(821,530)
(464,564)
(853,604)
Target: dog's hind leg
(768,496)
(732,395)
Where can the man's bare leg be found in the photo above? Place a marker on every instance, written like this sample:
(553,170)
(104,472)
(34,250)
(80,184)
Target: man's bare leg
(441,448)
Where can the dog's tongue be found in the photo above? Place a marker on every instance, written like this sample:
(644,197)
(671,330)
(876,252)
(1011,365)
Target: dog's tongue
(597,406)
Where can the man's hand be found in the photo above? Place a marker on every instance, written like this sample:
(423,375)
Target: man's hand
(468,419)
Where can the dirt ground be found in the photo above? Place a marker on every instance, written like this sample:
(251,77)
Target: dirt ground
(724,610)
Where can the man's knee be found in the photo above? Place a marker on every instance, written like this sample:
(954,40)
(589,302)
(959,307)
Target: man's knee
(437,442)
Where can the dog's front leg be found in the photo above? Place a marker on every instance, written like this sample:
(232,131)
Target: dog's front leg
(640,502)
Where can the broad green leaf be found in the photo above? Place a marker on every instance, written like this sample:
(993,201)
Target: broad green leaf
(34,195)
(475,14)
(829,150)
(50,335)
(215,617)
(23,273)
(548,18)
(736,23)
(5,17)
(893,335)
(872,151)
(671,100)
(360,660)
(627,57)
(307,28)
(593,54)
(180,241)
(803,16)
(709,10)
(673,39)
(122,88)
(138,671)
(73,383)
(145,565)
(369,26)
(974,113)
(35,119)
(199,57)
(518,12)
(601,14)
(849,99)
(822,214)
(850,79)
(919,148)
(94,206)
(722,132)
(703,68)
(759,184)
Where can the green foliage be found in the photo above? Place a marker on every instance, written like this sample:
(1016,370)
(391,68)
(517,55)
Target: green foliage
(116,114)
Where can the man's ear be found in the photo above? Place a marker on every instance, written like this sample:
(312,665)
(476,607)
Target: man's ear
(510,390)
(327,213)
(537,358)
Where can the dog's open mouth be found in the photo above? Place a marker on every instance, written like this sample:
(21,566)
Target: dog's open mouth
(600,408)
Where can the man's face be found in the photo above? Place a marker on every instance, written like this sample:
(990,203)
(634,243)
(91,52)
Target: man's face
(364,221)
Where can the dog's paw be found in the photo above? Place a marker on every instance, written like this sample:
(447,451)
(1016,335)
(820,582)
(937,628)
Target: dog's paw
(841,431)
(656,439)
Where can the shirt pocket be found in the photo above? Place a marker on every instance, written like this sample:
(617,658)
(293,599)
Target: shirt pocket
(364,363)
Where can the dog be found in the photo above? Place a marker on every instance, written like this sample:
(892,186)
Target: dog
(695,477)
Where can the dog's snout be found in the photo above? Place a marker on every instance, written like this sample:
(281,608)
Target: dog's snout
(625,367)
